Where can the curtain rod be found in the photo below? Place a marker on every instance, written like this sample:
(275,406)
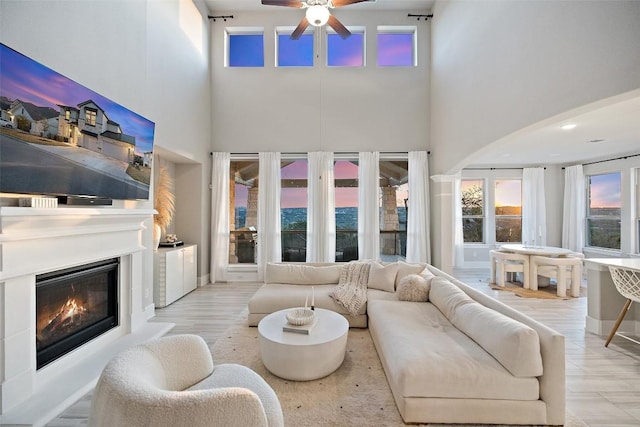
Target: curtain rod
(610,160)
(493,169)
(335,152)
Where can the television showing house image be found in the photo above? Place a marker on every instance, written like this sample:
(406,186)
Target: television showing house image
(59,138)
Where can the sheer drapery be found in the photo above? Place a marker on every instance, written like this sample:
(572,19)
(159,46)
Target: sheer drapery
(534,213)
(220,167)
(574,206)
(458,233)
(321,217)
(368,205)
(418,236)
(269,238)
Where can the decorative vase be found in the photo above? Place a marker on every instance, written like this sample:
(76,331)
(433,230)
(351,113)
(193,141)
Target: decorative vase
(157,232)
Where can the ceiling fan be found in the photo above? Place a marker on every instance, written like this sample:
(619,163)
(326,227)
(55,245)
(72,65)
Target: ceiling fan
(317,14)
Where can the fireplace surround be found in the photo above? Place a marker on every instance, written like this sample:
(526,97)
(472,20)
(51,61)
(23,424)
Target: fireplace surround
(36,242)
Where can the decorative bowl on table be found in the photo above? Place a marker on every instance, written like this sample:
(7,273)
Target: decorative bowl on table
(300,316)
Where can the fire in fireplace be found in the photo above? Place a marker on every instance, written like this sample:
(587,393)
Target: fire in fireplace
(73,306)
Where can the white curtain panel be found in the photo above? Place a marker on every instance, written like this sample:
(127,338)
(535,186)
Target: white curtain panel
(534,213)
(458,234)
(269,239)
(573,214)
(368,205)
(418,237)
(220,166)
(321,218)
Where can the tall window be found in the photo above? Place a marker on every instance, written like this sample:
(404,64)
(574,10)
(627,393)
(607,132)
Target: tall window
(346,202)
(243,194)
(472,210)
(293,208)
(294,53)
(603,213)
(396,46)
(347,52)
(245,47)
(394,202)
(508,210)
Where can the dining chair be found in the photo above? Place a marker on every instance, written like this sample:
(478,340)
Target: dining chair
(627,283)
(508,262)
(565,270)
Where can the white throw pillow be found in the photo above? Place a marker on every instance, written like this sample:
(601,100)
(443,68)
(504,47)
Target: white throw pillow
(382,277)
(413,287)
(427,274)
(404,268)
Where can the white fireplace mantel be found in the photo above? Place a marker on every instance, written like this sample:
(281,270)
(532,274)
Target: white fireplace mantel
(35,241)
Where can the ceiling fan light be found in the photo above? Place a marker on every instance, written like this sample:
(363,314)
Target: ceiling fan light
(318,15)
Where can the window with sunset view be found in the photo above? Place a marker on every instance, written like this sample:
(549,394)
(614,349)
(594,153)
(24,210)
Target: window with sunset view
(472,210)
(346,201)
(293,209)
(347,52)
(603,210)
(508,210)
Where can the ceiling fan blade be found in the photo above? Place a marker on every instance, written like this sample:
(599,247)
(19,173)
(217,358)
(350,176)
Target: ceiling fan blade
(286,3)
(338,27)
(340,3)
(300,29)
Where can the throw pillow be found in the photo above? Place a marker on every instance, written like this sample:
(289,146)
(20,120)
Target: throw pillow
(405,268)
(413,287)
(427,274)
(382,277)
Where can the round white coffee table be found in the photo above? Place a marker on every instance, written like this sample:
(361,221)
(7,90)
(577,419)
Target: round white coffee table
(301,357)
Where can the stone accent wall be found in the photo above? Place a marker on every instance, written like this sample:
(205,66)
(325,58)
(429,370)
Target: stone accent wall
(389,221)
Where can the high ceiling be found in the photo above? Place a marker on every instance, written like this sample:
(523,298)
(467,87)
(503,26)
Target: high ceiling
(601,133)
(239,5)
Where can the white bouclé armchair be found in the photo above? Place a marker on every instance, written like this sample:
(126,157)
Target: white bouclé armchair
(172,381)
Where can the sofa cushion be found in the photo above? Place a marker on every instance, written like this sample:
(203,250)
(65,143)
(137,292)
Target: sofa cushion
(515,345)
(413,287)
(273,297)
(378,294)
(405,268)
(382,277)
(302,274)
(424,355)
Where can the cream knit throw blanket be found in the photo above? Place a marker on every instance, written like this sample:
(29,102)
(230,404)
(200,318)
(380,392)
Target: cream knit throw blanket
(351,291)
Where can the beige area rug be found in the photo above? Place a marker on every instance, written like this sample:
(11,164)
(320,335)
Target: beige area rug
(357,394)
(549,292)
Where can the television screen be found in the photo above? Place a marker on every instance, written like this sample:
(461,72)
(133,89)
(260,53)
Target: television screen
(58,137)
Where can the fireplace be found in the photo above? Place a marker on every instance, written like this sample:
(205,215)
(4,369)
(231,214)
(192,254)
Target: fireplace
(73,306)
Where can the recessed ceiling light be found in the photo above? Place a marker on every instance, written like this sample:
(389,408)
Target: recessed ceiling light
(568,126)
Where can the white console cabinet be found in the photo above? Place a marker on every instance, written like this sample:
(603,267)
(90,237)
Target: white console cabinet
(174,273)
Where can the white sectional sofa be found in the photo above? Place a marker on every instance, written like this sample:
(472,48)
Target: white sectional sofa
(461,357)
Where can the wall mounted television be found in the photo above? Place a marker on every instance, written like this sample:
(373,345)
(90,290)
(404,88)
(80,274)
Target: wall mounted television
(59,138)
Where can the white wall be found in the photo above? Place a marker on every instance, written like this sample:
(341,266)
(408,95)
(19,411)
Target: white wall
(320,108)
(499,66)
(135,53)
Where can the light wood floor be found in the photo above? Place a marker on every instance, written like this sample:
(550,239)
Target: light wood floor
(603,384)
